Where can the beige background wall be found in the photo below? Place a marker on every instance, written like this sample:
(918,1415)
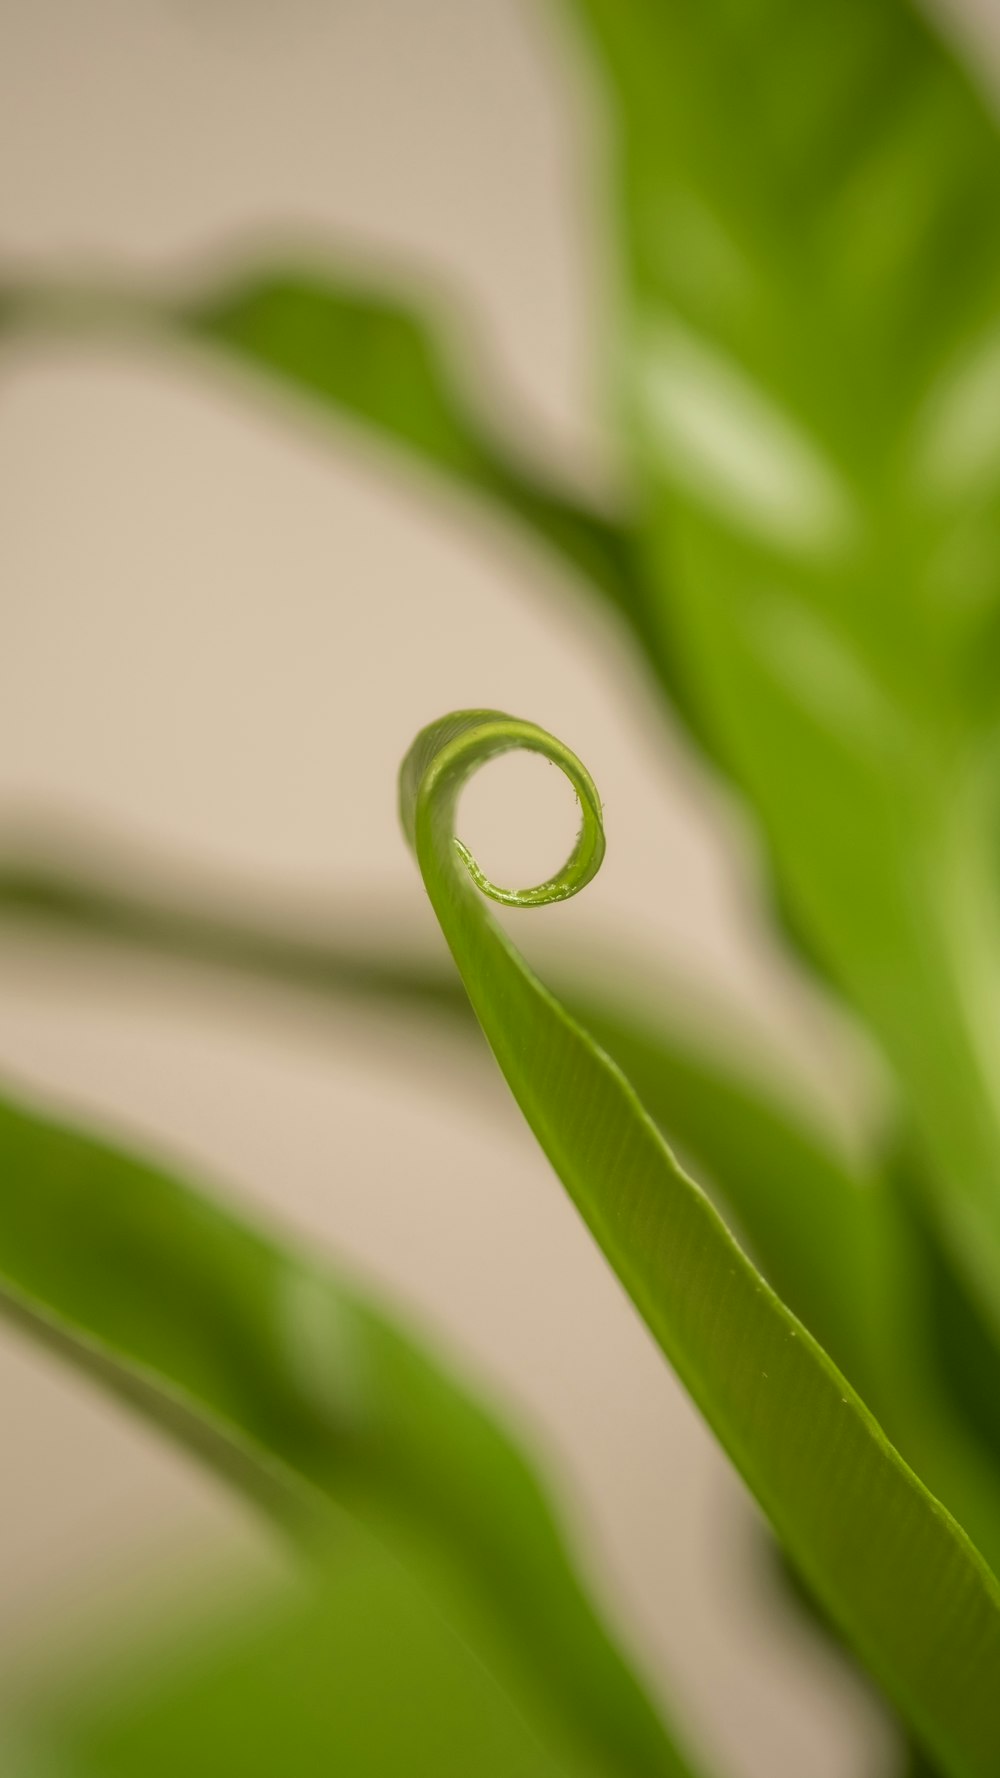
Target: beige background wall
(220,631)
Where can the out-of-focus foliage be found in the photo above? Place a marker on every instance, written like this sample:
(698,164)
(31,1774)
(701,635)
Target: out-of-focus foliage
(359,1674)
(810,348)
(373,358)
(807,210)
(307,1398)
(378,362)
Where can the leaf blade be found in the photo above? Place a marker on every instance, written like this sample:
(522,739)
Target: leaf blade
(299,1391)
(790,1421)
(359,1671)
(830,1234)
(809,375)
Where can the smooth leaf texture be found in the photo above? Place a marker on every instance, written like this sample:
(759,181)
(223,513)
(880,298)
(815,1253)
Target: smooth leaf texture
(358,1675)
(810,205)
(828,1231)
(307,1398)
(833,1238)
(894,1570)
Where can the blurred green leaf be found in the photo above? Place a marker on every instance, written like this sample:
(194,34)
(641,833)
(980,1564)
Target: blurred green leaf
(386,361)
(295,1388)
(364,355)
(830,1232)
(897,1574)
(372,357)
(359,1675)
(960,1344)
(811,352)
(810,202)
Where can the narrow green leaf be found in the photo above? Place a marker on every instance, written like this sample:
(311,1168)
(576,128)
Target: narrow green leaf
(812,1217)
(371,357)
(830,1234)
(297,1390)
(362,355)
(897,1574)
(837,1241)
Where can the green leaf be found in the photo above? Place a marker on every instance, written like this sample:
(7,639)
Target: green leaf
(834,1238)
(830,1233)
(297,1390)
(363,354)
(898,1576)
(810,199)
(358,1674)
(358,354)
(823,1246)
(381,359)
(756,1145)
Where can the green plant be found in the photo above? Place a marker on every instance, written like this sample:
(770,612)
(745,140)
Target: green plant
(807,560)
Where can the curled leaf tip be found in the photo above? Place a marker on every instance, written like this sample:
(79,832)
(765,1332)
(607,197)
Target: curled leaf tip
(444,757)
(898,1576)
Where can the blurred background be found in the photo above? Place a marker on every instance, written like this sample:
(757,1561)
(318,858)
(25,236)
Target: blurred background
(222,626)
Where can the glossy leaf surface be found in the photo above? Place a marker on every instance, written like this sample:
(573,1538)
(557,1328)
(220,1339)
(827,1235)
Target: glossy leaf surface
(896,1573)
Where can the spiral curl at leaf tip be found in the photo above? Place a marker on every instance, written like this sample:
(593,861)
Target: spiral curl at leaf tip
(447,753)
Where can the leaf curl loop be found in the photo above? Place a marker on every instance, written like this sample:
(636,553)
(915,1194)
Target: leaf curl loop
(443,758)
